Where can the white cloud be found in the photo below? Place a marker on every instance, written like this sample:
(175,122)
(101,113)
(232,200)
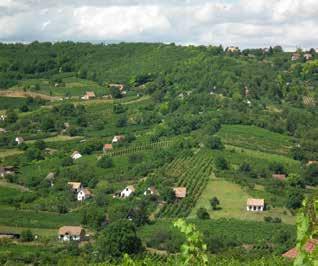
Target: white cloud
(244,23)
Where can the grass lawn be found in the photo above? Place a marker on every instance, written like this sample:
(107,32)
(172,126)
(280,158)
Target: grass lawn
(233,202)
(39,231)
(9,152)
(56,138)
(255,138)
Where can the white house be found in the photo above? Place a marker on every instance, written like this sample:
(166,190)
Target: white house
(88,95)
(255,205)
(76,155)
(84,194)
(67,233)
(3,117)
(118,138)
(127,191)
(19,140)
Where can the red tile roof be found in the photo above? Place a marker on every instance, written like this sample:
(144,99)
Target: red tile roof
(280,177)
(309,247)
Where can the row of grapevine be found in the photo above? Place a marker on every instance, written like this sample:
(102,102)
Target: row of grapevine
(195,175)
(141,147)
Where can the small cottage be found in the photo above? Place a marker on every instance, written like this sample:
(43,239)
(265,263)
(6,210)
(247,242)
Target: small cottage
(75,186)
(19,140)
(89,95)
(309,248)
(2,130)
(76,155)
(68,233)
(311,162)
(180,192)
(107,147)
(280,177)
(151,191)
(84,194)
(127,191)
(3,117)
(233,49)
(255,205)
(118,138)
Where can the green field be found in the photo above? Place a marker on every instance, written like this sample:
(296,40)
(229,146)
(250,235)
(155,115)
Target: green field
(233,203)
(255,138)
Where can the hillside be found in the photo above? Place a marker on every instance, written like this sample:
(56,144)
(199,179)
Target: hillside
(193,133)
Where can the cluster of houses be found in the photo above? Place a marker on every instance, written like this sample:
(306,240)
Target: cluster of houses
(80,192)
(116,139)
(297,56)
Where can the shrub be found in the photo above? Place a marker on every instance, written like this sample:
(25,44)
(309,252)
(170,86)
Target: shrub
(27,236)
(203,214)
(221,163)
(105,162)
(215,143)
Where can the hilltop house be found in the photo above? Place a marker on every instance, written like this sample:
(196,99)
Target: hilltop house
(309,248)
(151,191)
(75,186)
(127,191)
(19,140)
(84,194)
(67,233)
(118,138)
(308,56)
(280,177)
(107,147)
(76,155)
(257,205)
(88,95)
(180,192)
(295,57)
(233,49)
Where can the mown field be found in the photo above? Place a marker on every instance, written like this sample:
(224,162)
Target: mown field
(233,203)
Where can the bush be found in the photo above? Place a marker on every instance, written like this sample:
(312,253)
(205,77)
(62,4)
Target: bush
(105,162)
(203,214)
(214,203)
(215,143)
(27,236)
(221,163)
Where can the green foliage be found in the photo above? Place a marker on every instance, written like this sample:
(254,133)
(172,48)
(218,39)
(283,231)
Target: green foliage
(202,213)
(27,236)
(105,162)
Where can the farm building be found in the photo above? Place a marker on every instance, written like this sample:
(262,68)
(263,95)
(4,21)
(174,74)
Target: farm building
(257,205)
(118,138)
(84,194)
(280,177)
(19,140)
(151,191)
(233,49)
(2,130)
(89,95)
(127,191)
(107,147)
(75,186)
(180,192)
(67,233)
(309,247)
(76,155)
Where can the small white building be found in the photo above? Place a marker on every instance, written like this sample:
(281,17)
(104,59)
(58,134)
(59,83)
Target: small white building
(118,138)
(88,95)
(3,117)
(68,233)
(76,155)
(255,205)
(19,140)
(127,191)
(84,194)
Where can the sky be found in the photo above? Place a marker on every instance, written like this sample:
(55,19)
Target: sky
(243,23)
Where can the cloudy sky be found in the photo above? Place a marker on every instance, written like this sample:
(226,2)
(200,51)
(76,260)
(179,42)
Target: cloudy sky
(244,23)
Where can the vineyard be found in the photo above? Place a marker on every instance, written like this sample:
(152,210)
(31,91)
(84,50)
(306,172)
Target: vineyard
(192,173)
(142,147)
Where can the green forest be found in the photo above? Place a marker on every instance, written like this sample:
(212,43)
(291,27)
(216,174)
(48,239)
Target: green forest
(154,151)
